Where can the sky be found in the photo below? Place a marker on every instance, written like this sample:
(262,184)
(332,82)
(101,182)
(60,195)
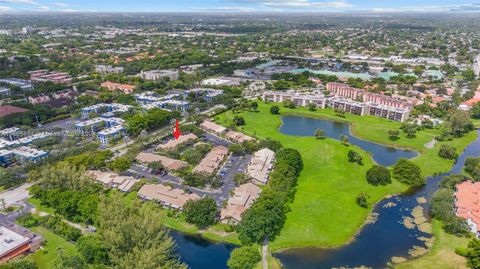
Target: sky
(239,6)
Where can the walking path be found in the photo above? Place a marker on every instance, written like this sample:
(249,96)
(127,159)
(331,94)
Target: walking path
(265,254)
(431,144)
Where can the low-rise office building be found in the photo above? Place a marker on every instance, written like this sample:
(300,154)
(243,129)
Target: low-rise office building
(243,197)
(16,240)
(157,75)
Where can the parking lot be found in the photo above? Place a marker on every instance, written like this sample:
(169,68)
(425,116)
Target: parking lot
(233,165)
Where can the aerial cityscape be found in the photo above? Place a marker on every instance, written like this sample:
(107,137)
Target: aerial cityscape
(239,134)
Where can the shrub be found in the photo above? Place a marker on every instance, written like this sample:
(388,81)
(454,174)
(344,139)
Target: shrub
(274,110)
(355,157)
(245,257)
(448,152)
(362,200)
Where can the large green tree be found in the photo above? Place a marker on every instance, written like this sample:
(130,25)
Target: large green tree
(407,172)
(378,175)
(202,212)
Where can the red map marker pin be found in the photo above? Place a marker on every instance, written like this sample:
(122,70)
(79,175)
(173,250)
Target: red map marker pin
(177,132)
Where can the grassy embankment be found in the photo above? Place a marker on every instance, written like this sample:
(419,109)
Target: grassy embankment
(329,184)
(44,259)
(442,255)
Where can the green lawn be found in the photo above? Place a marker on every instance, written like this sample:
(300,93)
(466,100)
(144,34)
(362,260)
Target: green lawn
(324,212)
(45,258)
(442,255)
(39,207)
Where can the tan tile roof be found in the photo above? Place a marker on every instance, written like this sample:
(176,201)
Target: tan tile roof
(168,163)
(243,198)
(260,165)
(213,127)
(166,195)
(211,161)
(173,143)
(113,180)
(237,137)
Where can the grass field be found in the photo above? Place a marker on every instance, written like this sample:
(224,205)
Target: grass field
(442,255)
(329,184)
(44,259)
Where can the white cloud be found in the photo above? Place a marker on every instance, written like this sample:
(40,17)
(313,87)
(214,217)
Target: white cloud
(60,4)
(43,8)
(227,9)
(432,8)
(31,2)
(300,4)
(5,8)
(69,10)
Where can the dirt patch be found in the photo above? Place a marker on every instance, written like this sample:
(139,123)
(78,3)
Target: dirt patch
(417,251)
(421,200)
(389,204)
(397,260)
(372,218)
(408,223)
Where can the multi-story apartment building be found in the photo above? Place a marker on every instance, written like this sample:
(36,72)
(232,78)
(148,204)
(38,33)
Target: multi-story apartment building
(45,75)
(372,109)
(346,91)
(388,112)
(299,99)
(106,110)
(347,105)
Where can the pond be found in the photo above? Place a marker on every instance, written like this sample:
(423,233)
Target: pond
(199,253)
(303,126)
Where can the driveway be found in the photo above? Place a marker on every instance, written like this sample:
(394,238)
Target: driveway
(14,196)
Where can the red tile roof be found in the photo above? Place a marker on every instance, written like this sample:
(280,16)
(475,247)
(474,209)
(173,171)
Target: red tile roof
(8,110)
(467,201)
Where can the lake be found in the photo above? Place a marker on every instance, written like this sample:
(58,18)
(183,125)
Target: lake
(304,126)
(373,246)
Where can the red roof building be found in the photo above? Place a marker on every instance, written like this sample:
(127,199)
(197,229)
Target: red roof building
(467,206)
